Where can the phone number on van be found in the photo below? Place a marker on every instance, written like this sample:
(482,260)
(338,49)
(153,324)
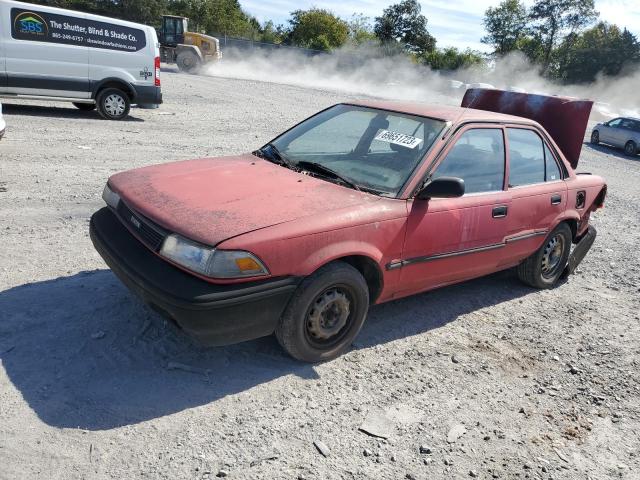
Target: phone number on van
(73,38)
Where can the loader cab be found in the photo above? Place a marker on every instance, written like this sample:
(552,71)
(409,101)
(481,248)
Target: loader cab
(172,30)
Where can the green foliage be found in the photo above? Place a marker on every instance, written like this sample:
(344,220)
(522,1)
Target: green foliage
(271,33)
(360,30)
(452,59)
(145,11)
(318,29)
(555,18)
(603,49)
(216,16)
(506,25)
(404,24)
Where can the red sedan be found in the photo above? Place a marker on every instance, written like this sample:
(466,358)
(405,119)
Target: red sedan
(360,204)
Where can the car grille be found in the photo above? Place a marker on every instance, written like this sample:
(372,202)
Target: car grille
(151,234)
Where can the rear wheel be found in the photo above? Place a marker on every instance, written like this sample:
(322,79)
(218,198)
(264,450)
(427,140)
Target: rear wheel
(325,314)
(188,61)
(595,137)
(113,104)
(85,107)
(631,148)
(545,267)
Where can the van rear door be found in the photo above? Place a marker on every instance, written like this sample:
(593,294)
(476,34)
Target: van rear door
(45,52)
(4,21)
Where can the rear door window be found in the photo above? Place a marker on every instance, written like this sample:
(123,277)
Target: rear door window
(477,158)
(552,171)
(526,157)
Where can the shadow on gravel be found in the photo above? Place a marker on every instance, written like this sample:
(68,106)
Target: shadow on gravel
(56,112)
(85,353)
(613,151)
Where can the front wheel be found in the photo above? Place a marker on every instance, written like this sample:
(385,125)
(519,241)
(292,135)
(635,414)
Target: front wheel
(631,148)
(113,104)
(325,314)
(188,62)
(595,137)
(544,268)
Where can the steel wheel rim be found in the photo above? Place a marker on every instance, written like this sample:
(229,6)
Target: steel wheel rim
(114,105)
(552,256)
(329,317)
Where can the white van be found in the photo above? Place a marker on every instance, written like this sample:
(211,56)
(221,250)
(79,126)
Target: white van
(54,54)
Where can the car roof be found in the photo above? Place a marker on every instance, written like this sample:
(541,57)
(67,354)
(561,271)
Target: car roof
(444,112)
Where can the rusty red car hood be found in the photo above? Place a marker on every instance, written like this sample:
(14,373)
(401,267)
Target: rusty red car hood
(213,199)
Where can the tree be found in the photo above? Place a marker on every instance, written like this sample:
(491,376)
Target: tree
(272,33)
(603,49)
(558,18)
(318,29)
(360,30)
(452,59)
(506,25)
(403,23)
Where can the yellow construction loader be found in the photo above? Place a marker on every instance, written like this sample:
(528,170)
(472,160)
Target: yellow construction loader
(190,51)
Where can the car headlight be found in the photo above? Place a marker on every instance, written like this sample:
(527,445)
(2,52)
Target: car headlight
(211,262)
(110,197)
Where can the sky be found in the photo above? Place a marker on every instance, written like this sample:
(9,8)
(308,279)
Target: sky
(456,23)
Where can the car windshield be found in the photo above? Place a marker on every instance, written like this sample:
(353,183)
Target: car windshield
(365,148)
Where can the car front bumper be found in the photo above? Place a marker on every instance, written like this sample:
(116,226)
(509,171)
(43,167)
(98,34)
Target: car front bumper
(214,314)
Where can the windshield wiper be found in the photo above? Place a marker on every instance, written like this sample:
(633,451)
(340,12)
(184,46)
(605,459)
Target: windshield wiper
(271,153)
(323,170)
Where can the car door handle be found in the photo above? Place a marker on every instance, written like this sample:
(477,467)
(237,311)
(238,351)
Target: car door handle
(556,199)
(499,212)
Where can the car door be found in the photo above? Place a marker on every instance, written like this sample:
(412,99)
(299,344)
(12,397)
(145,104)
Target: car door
(538,192)
(625,132)
(453,239)
(46,55)
(608,131)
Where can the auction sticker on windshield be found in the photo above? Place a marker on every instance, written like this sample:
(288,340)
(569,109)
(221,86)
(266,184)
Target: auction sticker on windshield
(398,138)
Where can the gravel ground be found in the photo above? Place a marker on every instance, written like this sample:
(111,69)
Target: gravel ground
(487,379)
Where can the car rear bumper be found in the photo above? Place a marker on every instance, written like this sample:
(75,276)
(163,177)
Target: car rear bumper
(213,314)
(147,95)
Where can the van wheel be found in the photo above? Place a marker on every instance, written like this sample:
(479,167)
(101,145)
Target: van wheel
(113,104)
(85,107)
(544,268)
(188,61)
(631,148)
(325,314)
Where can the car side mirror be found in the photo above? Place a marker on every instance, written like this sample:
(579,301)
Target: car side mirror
(443,187)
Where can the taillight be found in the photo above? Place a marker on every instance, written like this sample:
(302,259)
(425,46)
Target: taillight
(157,71)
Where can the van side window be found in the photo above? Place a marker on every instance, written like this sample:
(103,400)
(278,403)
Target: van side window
(478,159)
(526,157)
(552,171)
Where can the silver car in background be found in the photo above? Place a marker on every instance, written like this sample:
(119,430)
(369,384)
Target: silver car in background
(2,124)
(622,132)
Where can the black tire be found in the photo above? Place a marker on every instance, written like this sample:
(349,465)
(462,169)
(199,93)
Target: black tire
(85,107)
(113,104)
(188,62)
(631,148)
(544,268)
(313,327)
(595,137)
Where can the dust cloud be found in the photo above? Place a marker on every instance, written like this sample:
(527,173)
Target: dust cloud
(367,71)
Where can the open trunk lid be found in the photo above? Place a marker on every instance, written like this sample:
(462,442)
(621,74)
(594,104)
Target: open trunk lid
(565,119)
